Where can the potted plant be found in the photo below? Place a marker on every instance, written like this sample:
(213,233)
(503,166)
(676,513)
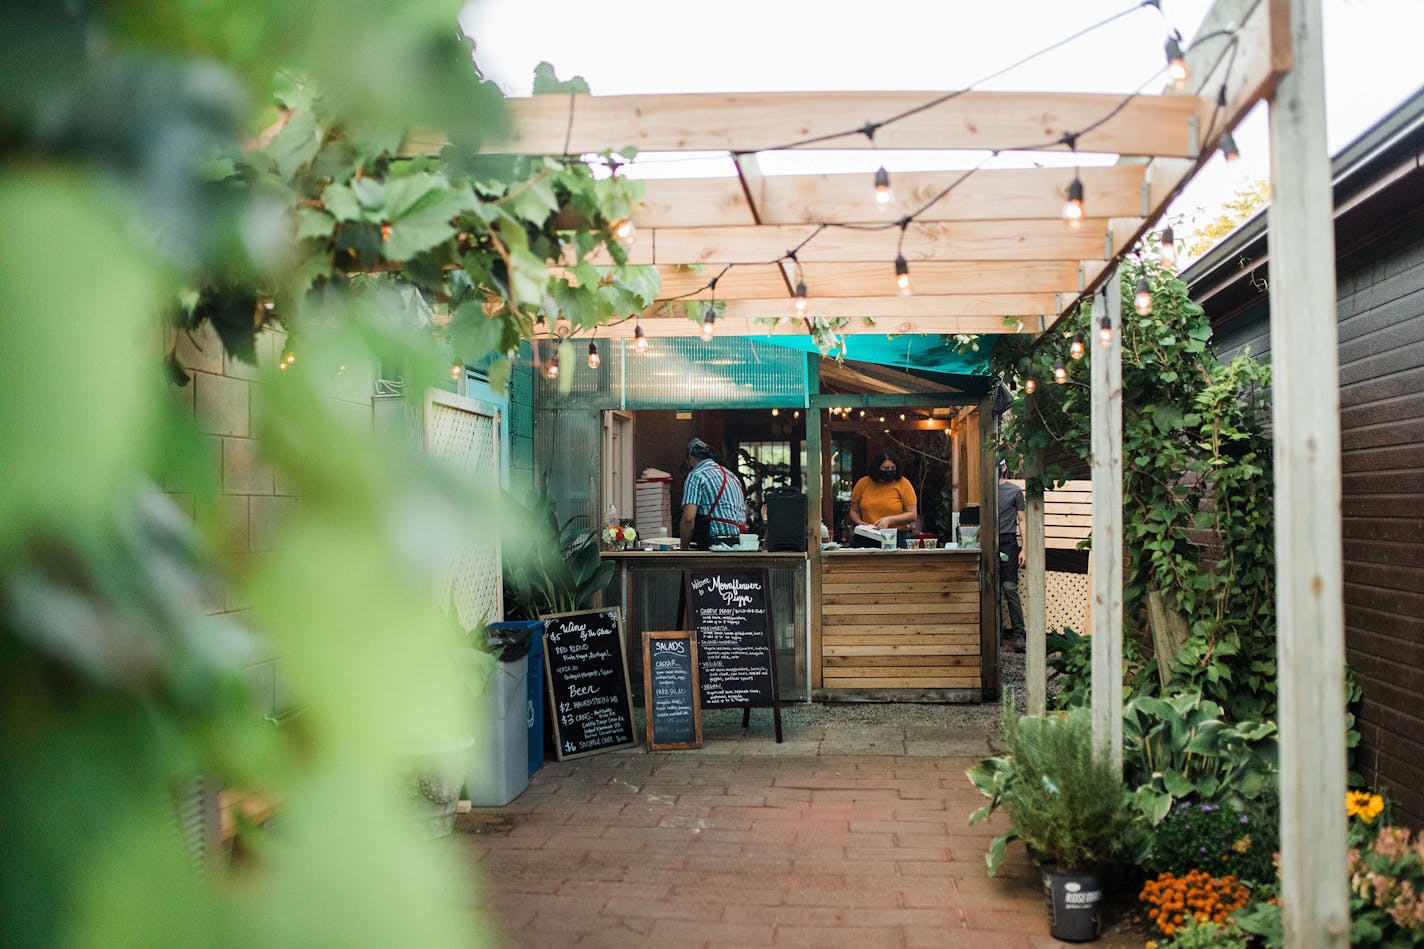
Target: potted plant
(1068,806)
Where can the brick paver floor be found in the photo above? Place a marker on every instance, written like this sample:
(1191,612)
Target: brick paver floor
(746,843)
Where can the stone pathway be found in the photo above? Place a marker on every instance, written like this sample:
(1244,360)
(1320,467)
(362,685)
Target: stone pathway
(852,832)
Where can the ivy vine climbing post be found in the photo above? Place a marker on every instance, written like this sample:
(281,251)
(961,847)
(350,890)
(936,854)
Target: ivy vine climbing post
(1033,586)
(1106,592)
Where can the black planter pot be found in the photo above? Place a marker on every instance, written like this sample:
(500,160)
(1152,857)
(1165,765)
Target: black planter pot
(1074,900)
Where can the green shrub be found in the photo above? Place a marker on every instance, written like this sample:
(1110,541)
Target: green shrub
(1195,934)
(1218,838)
(1068,805)
(1070,665)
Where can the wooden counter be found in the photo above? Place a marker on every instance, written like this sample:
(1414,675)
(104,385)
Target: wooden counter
(900,625)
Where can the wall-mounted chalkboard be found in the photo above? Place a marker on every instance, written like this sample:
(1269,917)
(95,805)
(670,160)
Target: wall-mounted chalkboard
(729,611)
(587,673)
(670,699)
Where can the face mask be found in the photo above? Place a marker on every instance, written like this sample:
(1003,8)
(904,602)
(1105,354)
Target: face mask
(886,477)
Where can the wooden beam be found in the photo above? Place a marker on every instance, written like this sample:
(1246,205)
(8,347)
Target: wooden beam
(998,305)
(1034,588)
(874,278)
(761,121)
(988,501)
(889,400)
(663,326)
(816,476)
(988,194)
(1305,412)
(1106,590)
(968,240)
(892,423)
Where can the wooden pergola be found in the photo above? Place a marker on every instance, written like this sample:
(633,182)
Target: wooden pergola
(993,255)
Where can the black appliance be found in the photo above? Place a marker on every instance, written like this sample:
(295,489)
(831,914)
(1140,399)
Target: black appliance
(785,520)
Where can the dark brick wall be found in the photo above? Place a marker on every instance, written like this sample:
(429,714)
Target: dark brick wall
(1381,353)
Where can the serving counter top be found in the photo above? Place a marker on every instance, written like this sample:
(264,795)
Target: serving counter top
(780,556)
(914,552)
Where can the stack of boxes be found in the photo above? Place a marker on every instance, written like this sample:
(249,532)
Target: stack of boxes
(652,514)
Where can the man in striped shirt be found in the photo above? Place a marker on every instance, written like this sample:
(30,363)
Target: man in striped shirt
(714,491)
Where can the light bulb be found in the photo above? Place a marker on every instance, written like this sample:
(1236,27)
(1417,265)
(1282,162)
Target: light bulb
(1167,250)
(775,412)
(799,299)
(1073,207)
(708,319)
(291,358)
(554,368)
(593,359)
(1142,301)
(640,342)
(862,413)
(1229,151)
(796,414)
(269,304)
(1030,385)
(902,416)
(1060,375)
(1176,63)
(1105,331)
(625,232)
(1075,349)
(883,194)
(455,371)
(902,275)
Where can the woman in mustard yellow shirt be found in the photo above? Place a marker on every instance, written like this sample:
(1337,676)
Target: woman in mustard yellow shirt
(884,498)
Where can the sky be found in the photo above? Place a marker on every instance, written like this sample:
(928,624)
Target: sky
(648,46)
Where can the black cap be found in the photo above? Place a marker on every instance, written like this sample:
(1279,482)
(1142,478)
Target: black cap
(698,447)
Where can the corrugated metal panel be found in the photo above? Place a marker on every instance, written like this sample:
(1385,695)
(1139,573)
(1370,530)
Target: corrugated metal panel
(735,372)
(567,456)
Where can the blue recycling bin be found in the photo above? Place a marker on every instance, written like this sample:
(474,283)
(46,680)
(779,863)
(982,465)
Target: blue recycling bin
(536,698)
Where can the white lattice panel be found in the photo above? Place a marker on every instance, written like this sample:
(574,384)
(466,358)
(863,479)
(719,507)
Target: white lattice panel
(465,438)
(1066,601)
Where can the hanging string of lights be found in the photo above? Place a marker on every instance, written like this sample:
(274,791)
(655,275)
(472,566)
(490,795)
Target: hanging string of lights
(1074,209)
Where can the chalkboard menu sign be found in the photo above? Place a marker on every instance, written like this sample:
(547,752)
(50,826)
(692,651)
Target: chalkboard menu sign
(587,674)
(730,613)
(670,690)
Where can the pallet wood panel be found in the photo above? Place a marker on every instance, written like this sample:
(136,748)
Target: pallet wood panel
(901,620)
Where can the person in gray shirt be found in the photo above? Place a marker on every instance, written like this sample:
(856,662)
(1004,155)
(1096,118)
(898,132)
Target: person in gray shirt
(1011,552)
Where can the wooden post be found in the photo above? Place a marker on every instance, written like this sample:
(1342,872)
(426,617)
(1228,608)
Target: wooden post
(1032,588)
(815,486)
(1305,401)
(988,550)
(1107,527)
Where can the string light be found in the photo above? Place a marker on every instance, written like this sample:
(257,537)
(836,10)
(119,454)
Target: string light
(640,341)
(902,416)
(1073,207)
(902,275)
(708,319)
(593,359)
(1176,62)
(775,412)
(1167,250)
(1060,375)
(796,414)
(1105,331)
(883,194)
(625,232)
(554,367)
(1142,301)
(291,358)
(1075,349)
(1030,385)
(1229,151)
(799,298)
(455,371)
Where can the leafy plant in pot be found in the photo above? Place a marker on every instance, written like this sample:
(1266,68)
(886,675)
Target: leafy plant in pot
(549,567)
(1068,806)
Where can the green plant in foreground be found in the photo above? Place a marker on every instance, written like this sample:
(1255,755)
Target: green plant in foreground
(1179,746)
(1219,839)
(1195,934)
(559,571)
(1068,807)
